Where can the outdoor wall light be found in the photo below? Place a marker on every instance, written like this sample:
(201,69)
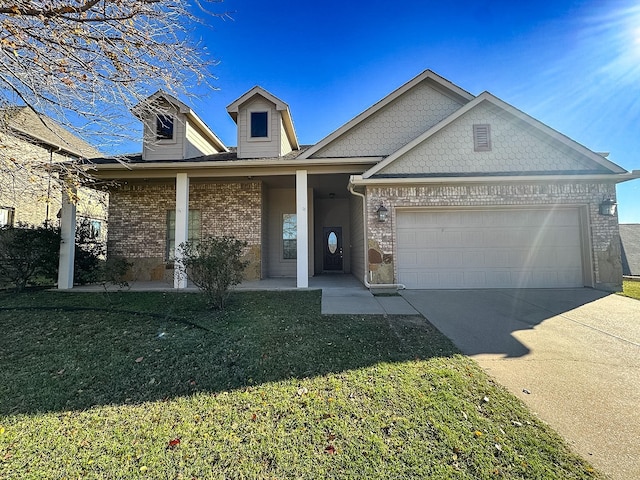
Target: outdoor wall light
(608,207)
(382,213)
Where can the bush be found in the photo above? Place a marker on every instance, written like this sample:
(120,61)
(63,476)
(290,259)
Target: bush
(214,264)
(27,254)
(89,255)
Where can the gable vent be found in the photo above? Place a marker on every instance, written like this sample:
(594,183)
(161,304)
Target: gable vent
(482,138)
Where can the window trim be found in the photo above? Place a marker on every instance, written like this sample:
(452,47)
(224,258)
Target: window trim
(170,234)
(250,113)
(162,139)
(11,216)
(282,239)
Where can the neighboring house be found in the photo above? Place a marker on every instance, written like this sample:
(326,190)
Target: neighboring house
(630,239)
(30,193)
(431,187)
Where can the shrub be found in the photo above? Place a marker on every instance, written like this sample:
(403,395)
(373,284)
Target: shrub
(28,253)
(89,255)
(214,264)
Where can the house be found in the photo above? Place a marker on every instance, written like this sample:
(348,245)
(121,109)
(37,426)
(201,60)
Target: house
(29,191)
(431,187)
(630,239)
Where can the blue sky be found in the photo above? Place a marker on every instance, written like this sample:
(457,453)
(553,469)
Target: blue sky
(574,65)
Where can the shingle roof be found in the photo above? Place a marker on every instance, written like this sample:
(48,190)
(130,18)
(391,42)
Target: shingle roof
(39,128)
(630,239)
(229,156)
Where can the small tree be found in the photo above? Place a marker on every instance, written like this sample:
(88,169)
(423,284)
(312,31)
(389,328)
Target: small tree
(27,254)
(214,264)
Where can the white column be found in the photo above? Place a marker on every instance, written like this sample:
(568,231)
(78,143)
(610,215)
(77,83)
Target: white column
(67,238)
(182,228)
(302,216)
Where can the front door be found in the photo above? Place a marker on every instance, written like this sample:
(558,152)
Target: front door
(332,244)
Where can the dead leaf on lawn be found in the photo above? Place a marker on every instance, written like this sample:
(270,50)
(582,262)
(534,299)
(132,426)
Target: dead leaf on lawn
(173,443)
(139,359)
(331,450)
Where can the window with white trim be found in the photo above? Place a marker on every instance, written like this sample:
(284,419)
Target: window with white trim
(6,216)
(194,231)
(289,236)
(164,127)
(259,124)
(482,138)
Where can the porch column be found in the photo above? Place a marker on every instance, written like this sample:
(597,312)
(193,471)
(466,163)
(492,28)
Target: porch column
(182,228)
(67,238)
(302,261)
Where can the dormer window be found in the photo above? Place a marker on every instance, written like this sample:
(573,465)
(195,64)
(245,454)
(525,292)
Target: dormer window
(259,124)
(164,127)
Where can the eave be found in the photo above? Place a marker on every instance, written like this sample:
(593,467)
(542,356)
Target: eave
(235,168)
(359,180)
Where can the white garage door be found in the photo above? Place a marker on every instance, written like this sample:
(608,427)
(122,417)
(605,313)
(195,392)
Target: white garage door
(507,248)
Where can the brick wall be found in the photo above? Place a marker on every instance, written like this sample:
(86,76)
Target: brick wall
(603,231)
(29,187)
(138,222)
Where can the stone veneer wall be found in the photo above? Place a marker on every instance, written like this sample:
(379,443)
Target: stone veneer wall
(604,231)
(138,222)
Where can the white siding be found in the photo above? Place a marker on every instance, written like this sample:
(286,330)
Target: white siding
(406,118)
(280,201)
(197,144)
(285,146)
(515,147)
(250,148)
(164,149)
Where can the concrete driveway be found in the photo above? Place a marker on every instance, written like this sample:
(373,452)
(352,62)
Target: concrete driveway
(575,351)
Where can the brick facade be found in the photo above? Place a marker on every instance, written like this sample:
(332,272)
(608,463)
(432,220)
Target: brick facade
(138,222)
(603,231)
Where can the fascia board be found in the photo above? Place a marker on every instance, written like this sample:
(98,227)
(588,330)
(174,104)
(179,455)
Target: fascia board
(358,180)
(427,74)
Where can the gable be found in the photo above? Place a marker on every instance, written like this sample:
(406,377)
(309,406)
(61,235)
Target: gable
(516,147)
(397,123)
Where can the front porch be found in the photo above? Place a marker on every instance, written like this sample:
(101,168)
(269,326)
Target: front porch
(342,294)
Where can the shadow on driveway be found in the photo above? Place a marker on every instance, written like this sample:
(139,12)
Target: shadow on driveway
(572,355)
(483,321)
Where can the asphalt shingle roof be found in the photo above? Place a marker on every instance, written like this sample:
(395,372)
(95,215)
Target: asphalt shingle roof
(630,239)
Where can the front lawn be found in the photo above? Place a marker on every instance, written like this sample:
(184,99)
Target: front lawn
(631,289)
(152,385)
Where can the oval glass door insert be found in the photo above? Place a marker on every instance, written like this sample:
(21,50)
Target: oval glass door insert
(332,242)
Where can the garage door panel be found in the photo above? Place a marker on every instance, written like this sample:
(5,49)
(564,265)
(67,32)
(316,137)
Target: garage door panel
(528,248)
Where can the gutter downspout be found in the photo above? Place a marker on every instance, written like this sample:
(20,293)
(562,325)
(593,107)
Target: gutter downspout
(370,286)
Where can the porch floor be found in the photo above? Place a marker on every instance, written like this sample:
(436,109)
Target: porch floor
(342,294)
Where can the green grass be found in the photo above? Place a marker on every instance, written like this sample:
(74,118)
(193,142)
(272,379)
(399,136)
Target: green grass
(97,386)
(631,289)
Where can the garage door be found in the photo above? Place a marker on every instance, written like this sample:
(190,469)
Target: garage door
(524,248)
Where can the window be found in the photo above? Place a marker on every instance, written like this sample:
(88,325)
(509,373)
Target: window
(259,124)
(482,138)
(289,236)
(6,216)
(95,229)
(194,230)
(164,127)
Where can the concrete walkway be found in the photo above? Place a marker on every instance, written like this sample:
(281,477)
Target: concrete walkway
(573,356)
(342,294)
